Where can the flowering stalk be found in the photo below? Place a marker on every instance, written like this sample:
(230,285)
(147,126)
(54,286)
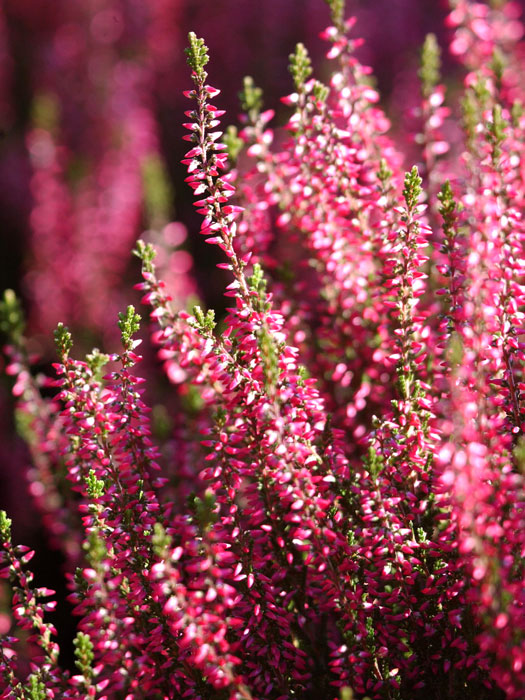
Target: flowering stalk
(257,344)
(41,426)
(28,612)
(338,505)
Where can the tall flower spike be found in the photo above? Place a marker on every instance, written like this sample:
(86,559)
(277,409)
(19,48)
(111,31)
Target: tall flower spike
(205,161)
(28,610)
(39,423)
(267,406)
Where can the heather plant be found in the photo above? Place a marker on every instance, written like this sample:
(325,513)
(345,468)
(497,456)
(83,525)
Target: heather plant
(336,509)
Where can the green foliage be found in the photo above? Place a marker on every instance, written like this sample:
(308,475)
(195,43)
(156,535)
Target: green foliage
(384,173)
(412,190)
(370,634)
(516,112)
(197,56)
(519,454)
(5,527)
(404,382)
(482,91)
(469,109)
(24,426)
(300,66)
(96,361)
(497,65)
(373,462)
(448,208)
(161,541)
(94,486)
(129,324)
(95,549)
(204,509)
(429,72)
(63,341)
(496,131)
(320,91)
(251,98)
(455,350)
(475,101)
(233,143)
(36,689)
(256,281)
(337,12)
(146,253)
(12,321)
(161,422)
(158,194)
(84,655)
(45,111)
(192,401)
(205,322)
(269,357)
(257,286)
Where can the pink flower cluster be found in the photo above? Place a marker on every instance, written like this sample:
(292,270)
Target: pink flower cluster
(337,506)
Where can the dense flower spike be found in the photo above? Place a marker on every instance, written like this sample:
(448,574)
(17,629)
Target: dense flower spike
(335,508)
(39,422)
(28,612)
(327,182)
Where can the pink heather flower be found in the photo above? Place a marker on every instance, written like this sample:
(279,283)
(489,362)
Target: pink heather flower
(335,153)
(44,433)
(336,505)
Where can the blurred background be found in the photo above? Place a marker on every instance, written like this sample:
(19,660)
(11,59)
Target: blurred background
(91,108)
(90,126)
